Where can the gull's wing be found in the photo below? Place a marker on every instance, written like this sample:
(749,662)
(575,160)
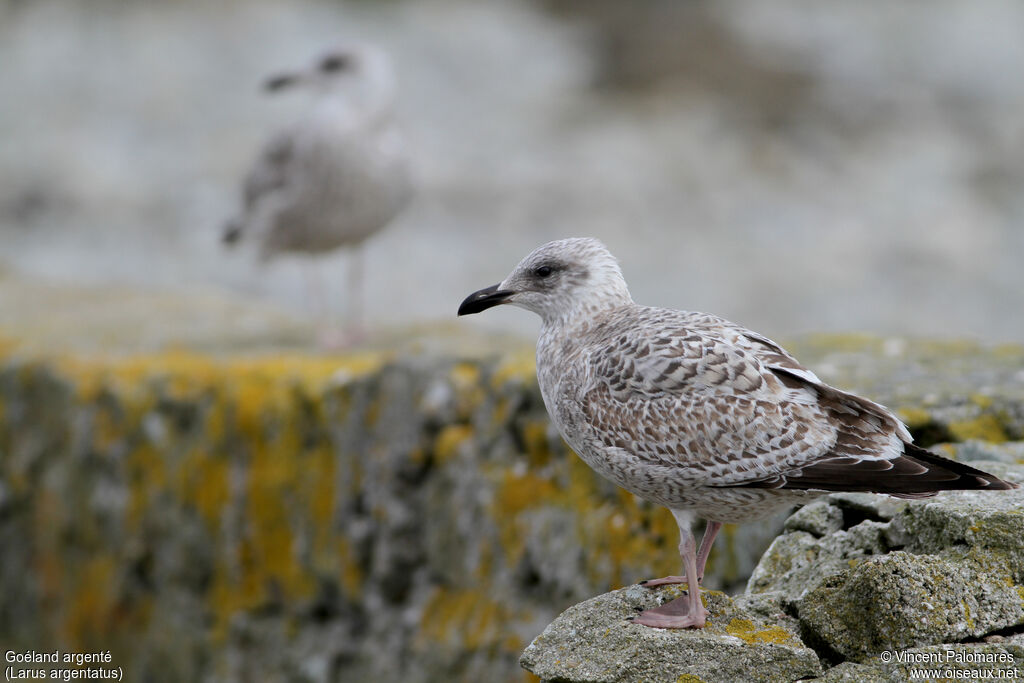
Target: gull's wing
(733,408)
(273,169)
(269,177)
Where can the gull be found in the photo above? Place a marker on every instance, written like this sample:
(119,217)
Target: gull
(698,414)
(339,173)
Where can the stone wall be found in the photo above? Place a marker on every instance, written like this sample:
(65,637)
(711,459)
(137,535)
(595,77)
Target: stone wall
(205,518)
(353,518)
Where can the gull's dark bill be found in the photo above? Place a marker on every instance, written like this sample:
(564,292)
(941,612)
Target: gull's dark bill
(481,300)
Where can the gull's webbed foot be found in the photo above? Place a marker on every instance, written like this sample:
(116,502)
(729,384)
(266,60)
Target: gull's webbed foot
(678,613)
(664,581)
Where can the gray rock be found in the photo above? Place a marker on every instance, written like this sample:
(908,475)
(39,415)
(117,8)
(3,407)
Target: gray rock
(825,538)
(851,672)
(900,600)
(818,519)
(745,639)
(970,518)
(868,573)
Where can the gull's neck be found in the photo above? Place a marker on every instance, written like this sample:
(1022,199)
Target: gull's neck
(578,318)
(378,90)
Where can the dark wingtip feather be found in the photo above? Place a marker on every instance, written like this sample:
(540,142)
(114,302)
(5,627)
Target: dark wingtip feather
(967,477)
(917,473)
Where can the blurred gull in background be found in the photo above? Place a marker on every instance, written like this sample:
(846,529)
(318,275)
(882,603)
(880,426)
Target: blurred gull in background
(876,151)
(338,174)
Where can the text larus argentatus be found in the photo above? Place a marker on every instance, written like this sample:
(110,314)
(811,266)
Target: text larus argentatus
(338,174)
(695,413)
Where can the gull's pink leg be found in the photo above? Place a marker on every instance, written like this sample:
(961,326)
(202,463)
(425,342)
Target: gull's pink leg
(710,531)
(335,336)
(686,611)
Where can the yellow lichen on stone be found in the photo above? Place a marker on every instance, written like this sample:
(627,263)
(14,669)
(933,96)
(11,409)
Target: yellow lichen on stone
(519,367)
(535,439)
(466,619)
(465,379)
(319,487)
(967,615)
(227,595)
(447,443)
(185,374)
(147,474)
(982,428)
(91,601)
(351,574)
(267,555)
(253,397)
(981,400)
(622,534)
(514,494)
(745,630)
(689,678)
(914,418)
(107,428)
(202,481)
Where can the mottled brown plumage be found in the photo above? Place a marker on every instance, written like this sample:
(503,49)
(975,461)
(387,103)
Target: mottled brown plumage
(695,413)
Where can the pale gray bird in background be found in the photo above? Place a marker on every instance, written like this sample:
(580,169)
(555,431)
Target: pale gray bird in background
(698,414)
(339,173)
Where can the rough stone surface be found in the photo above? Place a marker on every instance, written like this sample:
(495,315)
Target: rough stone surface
(744,639)
(207,517)
(866,573)
(366,518)
(824,538)
(900,600)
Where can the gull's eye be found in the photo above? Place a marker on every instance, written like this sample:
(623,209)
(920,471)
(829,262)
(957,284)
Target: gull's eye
(543,271)
(336,62)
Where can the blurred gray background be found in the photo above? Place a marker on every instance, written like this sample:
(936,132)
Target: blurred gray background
(795,166)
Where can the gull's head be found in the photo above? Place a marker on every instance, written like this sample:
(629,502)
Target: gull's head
(558,281)
(343,67)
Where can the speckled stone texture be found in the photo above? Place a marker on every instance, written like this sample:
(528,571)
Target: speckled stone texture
(350,518)
(746,639)
(404,517)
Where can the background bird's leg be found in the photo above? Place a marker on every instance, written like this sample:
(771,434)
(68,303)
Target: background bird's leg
(710,531)
(330,335)
(315,296)
(356,285)
(686,611)
(351,329)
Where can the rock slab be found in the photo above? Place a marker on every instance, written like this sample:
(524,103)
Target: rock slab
(745,639)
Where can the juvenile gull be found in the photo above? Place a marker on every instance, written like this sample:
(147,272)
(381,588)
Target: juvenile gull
(338,174)
(698,414)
